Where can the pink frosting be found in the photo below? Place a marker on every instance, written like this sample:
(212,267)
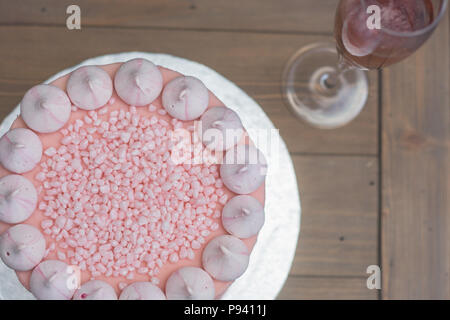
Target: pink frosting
(53,141)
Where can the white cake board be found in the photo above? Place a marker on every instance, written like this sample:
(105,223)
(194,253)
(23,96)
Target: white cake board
(274,251)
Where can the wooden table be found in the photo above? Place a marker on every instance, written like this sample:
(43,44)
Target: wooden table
(376,192)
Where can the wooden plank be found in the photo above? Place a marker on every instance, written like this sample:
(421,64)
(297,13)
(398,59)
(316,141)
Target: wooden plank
(327,288)
(259,15)
(7,104)
(254,61)
(339,227)
(416,173)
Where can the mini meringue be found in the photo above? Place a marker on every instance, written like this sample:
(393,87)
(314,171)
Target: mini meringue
(185,98)
(18,198)
(190,283)
(50,280)
(45,108)
(243,216)
(225,258)
(138,82)
(22,247)
(221,128)
(95,290)
(142,291)
(89,87)
(20,150)
(244,169)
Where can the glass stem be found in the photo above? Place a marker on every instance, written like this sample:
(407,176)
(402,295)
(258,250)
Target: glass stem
(330,80)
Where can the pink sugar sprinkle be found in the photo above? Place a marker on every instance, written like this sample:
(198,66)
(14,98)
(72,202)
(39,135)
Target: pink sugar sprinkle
(46,223)
(195,244)
(50,152)
(103,110)
(118,204)
(223,199)
(122,285)
(61,255)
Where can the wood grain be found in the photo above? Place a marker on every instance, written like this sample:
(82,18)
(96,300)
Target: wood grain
(253,61)
(258,15)
(416,173)
(7,103)
(327,288)
(339,228)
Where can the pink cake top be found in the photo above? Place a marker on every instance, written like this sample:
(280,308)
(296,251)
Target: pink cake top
(130,193)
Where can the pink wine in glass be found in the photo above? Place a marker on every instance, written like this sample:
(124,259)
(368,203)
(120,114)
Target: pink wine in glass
(397,38)
(325,83)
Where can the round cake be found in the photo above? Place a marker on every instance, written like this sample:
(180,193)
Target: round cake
(128,181)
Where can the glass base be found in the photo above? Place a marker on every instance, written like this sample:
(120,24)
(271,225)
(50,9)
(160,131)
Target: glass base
(319,92)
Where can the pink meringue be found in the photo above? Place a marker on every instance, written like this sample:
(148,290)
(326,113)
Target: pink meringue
(45,108)
(142,291)
(20,150)
(50,280)
(225,258)
(244,169)
(89,87)
(243,216)
(18,199)
(138,82)
(221,128)
(95,290)
(190,283)
(185,98)
(22,247)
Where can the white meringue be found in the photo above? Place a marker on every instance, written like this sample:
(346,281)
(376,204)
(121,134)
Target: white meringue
(244,169)
(18,198)
(190,283)
(20,150)
(22,247)
(138,82)
(225,258)
(243,216)
(142,291)
(50,280)
(185,98)
(221,128)
(95,290)
(45,108)
(89,87)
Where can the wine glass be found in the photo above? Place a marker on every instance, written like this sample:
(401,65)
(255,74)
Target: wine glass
(325,84)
